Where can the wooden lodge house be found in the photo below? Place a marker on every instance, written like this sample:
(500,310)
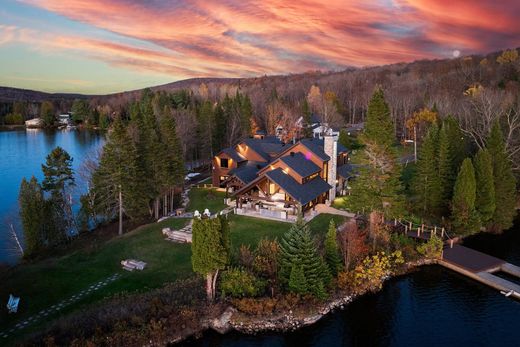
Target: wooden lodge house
(269,178)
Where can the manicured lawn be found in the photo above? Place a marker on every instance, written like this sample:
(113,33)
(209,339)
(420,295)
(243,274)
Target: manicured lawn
(249,230)
(48,282)
(202,198)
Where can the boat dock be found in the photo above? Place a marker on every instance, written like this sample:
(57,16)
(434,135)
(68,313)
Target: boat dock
(481,267)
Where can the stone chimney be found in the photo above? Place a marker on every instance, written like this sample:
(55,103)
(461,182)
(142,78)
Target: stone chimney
(330,147)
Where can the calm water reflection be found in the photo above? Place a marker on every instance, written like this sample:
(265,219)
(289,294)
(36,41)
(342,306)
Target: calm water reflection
(431,307)
(21,154)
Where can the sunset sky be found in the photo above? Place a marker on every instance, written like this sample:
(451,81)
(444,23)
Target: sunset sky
(101,46)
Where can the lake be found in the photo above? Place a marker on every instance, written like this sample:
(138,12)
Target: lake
(21,154)
(430,307)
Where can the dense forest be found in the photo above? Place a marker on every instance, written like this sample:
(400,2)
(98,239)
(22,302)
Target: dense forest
(477,90)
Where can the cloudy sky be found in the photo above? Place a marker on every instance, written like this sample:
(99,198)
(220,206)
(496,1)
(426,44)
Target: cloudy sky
(99,46)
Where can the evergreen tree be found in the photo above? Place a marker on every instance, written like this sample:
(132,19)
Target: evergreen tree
(206,129)
(485,199)
(464,215)
(297,281)
(446,170)
(298,249)
(457,141)
(174,156)
(47,114)
(427,184)
(504,180)
(116,183)
(246,112)
(58,178)
(377,186)
(379,128)
(332,256)
(306,111)
(210,250)
(32,215)
(58,172)
(80,111)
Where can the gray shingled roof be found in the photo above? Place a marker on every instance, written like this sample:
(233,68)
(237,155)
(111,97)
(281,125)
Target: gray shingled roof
(263,147)
(233,154)
(316,147)
(301,165)
(303,193)
(246,173)
(345,171)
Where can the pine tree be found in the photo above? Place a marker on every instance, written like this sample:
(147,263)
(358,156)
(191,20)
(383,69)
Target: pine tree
(332,256)
(297,281)
(58,172)
(306,111)
(504,180)
(298,249)
(464,215)
(32,215)
(174,156)
(427,185)
(210,250)
(58,178)
(457,141)
(485,199)
(379,127)
(446,171)
(116,184)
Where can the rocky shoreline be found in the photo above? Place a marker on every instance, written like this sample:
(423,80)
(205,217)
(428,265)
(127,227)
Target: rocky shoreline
(228,321)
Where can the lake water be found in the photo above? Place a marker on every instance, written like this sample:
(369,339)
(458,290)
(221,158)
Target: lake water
(21,154)
(430,307)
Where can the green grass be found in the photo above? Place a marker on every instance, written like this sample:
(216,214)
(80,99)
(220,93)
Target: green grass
(47,282)
(202,198)
(43,284)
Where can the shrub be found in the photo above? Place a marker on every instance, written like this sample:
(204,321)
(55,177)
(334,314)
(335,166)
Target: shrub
(239,283)
(431,249)
(371,273)
(405,244)
(13,119)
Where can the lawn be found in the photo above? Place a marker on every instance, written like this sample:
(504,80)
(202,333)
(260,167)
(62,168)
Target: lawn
(202,198)
(47,282)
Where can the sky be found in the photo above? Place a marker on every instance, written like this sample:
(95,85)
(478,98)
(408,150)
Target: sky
(104,46)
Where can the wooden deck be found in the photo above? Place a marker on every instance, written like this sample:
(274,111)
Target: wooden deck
(471,260)
(481,267)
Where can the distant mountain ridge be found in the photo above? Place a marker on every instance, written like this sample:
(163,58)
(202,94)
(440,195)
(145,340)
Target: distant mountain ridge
(9,94)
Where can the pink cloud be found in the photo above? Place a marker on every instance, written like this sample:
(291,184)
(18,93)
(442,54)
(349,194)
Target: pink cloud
(252,37)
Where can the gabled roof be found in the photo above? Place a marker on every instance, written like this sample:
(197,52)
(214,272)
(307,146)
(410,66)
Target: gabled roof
(247,173)
(233,154)
(269,144)
(302,193)
(316,147)
(301,165)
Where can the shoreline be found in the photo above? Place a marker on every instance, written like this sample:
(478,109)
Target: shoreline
(286,321)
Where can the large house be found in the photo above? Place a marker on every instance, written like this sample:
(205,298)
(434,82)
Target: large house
(268,177)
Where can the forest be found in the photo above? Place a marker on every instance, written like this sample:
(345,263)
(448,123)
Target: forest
(477,90)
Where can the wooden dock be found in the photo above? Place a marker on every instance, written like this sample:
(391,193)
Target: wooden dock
(481,267)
